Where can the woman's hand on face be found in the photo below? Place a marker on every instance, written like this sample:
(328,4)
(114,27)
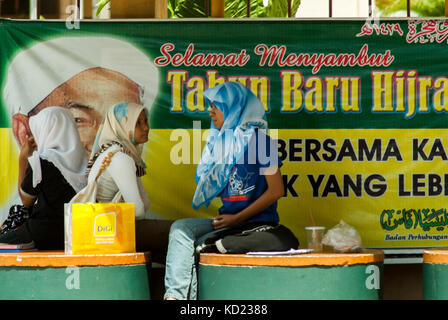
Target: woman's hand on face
(28,147)
(225,220)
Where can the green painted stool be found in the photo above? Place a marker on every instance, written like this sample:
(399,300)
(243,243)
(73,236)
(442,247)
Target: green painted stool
(312,276)
(435,274)
(53,275)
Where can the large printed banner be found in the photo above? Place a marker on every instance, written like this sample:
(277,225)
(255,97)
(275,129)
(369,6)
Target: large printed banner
(359,110)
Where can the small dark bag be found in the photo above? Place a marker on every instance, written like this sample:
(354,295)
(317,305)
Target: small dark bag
(249,237)
(17,216)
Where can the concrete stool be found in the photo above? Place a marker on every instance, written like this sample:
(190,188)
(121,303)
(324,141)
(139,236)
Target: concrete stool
(53,275)
(435,274)
(291,277)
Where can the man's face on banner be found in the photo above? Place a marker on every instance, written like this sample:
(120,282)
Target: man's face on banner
(88,95)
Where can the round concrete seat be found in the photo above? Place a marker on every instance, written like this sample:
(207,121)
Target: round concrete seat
(310,276)
(435,274)
(54,275)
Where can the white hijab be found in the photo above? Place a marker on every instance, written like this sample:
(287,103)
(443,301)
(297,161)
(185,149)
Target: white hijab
(58,142)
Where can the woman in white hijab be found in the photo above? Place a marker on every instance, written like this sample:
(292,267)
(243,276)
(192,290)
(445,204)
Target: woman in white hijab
(118,150)
(119,143)
(52,167)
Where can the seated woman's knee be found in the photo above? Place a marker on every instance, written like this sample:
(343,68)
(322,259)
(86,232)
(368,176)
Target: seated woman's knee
(182,225)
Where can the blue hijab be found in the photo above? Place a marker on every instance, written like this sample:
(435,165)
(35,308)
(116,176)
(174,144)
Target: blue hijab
(243,113)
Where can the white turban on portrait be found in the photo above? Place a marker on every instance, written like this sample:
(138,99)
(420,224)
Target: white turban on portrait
(36,71)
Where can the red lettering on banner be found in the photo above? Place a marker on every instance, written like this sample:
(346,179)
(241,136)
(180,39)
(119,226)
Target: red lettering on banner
(189,58)
(386,29)
(365,30)
(165,60)
(275,54)
(430,31)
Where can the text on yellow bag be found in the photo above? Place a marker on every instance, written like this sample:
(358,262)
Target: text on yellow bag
(103,228)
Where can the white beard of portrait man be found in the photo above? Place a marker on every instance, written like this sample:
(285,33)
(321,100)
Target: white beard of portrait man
(85,74)
(88,95)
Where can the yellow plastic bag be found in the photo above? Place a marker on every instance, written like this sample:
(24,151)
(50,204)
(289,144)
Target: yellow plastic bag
(92,228)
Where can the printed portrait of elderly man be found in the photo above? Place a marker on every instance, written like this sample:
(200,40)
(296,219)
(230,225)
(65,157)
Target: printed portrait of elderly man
(85,74)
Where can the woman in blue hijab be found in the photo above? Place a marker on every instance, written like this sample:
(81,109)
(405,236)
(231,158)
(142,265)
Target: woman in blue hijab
(240,164)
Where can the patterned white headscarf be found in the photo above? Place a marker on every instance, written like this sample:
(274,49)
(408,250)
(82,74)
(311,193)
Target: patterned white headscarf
(118,127)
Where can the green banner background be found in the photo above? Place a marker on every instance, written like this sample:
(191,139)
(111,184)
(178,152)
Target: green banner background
(309,36)
(171,186)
